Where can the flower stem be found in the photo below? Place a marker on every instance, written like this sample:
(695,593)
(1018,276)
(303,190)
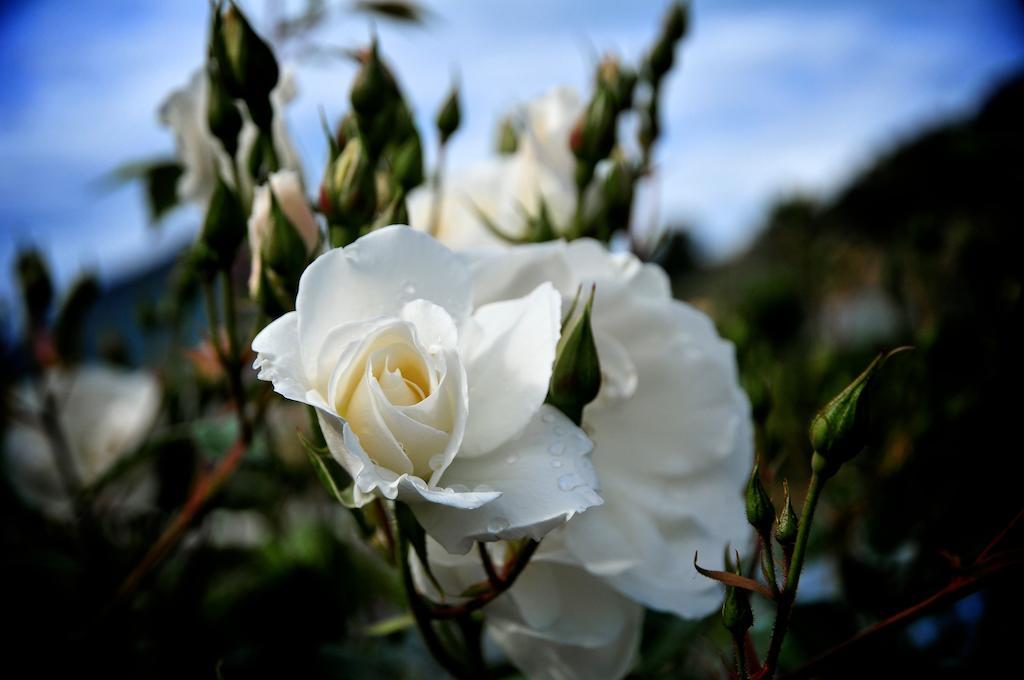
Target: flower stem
(741,658)
(421,613)
(793,575)
(435,205)
(768,564)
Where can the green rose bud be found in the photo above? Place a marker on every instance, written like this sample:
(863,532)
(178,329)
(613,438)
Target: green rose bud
(677,21)
(222,115)
(374,87)
(450,116)
(737,616)
(594,135)
(760,511)
(508,140)
(839,431)
(349,192)
(407,165)
(576,374)
(224,226)
(36,286)
(246,63)
(788,523)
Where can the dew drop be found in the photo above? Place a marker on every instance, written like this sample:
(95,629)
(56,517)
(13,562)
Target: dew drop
(497,524)
(512,459)
(459,488)
(559,430)
(408,288)
(556,449)
(436,461)
(482,488)
(569,482)
(556,463)
(548,418)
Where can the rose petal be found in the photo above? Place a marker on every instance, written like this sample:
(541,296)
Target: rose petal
(278,360)
(376,276)
(544,476)
(508,349)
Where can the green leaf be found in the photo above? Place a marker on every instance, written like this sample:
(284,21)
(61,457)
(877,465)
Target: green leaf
(160,180)
(412,530)
(390,625)
(330,473)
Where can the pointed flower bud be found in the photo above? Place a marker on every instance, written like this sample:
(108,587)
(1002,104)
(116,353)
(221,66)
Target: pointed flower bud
(677,21)
(737,616)
(450,115)
(788,523)
(36,286)
(225,225)
(576,375)
(760,511)
(68,329)
(222,115)
(407,165)
(618,79)
(594,134)
(839,431)
(374,87)
(508,140)
(248,64)
(349,195)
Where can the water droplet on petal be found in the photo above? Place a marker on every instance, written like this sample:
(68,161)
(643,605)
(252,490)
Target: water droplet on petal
(497,524)
(459,488)
(548,418)
(569,482)
(559,430)
(408,288)
(482,488)
(556,449)
(436,461)
(512,459)
(556,463)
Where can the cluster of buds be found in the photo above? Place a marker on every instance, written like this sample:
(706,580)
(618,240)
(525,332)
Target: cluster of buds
(376,156)
(658,63)
(594,137)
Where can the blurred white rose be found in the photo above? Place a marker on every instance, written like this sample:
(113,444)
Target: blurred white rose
(424,397)
(672,449)
(287,188)
(201,154)
(508,188)
(104,414)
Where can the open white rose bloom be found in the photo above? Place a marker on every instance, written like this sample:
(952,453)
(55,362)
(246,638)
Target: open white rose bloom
(507,189)
(425,396)
(672,449)
(104,414)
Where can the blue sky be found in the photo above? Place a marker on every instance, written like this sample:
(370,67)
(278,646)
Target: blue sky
(768,99)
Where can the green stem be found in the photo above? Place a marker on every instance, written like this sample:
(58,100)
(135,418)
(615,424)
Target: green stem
(421,613)
(741,658)
(435,206)
(234,365)
(768,564)
(793,576)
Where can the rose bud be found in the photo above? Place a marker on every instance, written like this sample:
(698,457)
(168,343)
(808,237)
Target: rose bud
(247,64)
(407,166)
(507,138)
(788,524)
(222,115)
(736,614)
(36,286)
(283,234)
(576,375)
(350,190)
(839,431)
(760,511)
(224,226)
(449,117)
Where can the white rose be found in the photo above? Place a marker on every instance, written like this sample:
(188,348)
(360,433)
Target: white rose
(425,398)
(202,155)
(104,414)
(508,188)
(672,448)
(287,188)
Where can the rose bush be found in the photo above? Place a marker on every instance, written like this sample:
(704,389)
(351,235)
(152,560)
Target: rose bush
(104,414)
(673,446)
(424,396)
